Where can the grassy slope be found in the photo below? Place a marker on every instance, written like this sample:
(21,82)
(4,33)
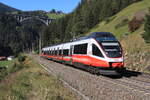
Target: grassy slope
(6,63)
(33,83)
(125,13)
(55,16)
(136,50)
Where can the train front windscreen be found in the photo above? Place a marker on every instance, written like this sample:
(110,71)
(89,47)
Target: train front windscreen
(110,45)
(112,49)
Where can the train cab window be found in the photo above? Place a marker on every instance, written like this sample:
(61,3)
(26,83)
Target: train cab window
(96,51)
(80,49)
(66,52)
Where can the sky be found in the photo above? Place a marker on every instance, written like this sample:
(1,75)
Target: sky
(46,5)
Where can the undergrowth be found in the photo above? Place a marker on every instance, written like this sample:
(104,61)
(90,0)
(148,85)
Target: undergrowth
(33,83)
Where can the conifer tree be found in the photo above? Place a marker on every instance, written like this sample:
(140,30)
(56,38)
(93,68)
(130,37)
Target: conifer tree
(147,28)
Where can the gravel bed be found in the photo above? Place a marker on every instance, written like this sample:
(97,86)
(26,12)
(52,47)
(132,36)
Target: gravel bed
(96,87)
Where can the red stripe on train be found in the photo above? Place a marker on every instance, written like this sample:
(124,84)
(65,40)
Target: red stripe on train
(90,61)
(87,60)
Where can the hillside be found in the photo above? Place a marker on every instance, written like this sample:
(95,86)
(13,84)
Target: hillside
(137,52)
(126,13)
(4,8)
(86,15)
(55,16)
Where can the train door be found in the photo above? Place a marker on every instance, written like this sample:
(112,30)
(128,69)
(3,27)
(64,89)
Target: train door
(89,52)
(71,52)
(96,51)
(97,56)
(57,54)
(60,57)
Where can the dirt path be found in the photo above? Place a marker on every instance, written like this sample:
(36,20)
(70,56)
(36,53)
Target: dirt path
(132,86)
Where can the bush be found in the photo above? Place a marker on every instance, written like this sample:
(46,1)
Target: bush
(21,58)
(147,28)
(134,24)
(15,68)
(3,73)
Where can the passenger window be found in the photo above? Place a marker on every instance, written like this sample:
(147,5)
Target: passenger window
(59,52)
(65,52)
(96,51)
(80,49)
(55,52)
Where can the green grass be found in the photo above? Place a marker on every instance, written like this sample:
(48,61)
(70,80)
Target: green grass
(55,16)
(126,13)
(33,83)
(9,67)
(6,63)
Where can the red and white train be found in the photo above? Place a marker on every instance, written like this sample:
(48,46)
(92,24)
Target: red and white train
(99,52)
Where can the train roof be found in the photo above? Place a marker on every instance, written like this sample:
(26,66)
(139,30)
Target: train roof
(99,36)
(103,36)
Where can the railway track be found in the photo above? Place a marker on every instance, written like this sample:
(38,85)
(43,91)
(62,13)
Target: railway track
(139,85)
(131,84)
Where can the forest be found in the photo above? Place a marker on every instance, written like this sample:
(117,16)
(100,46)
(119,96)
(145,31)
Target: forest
(18,37)
(87,14)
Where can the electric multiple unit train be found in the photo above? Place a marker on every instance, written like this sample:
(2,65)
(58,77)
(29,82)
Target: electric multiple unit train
(100,52)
